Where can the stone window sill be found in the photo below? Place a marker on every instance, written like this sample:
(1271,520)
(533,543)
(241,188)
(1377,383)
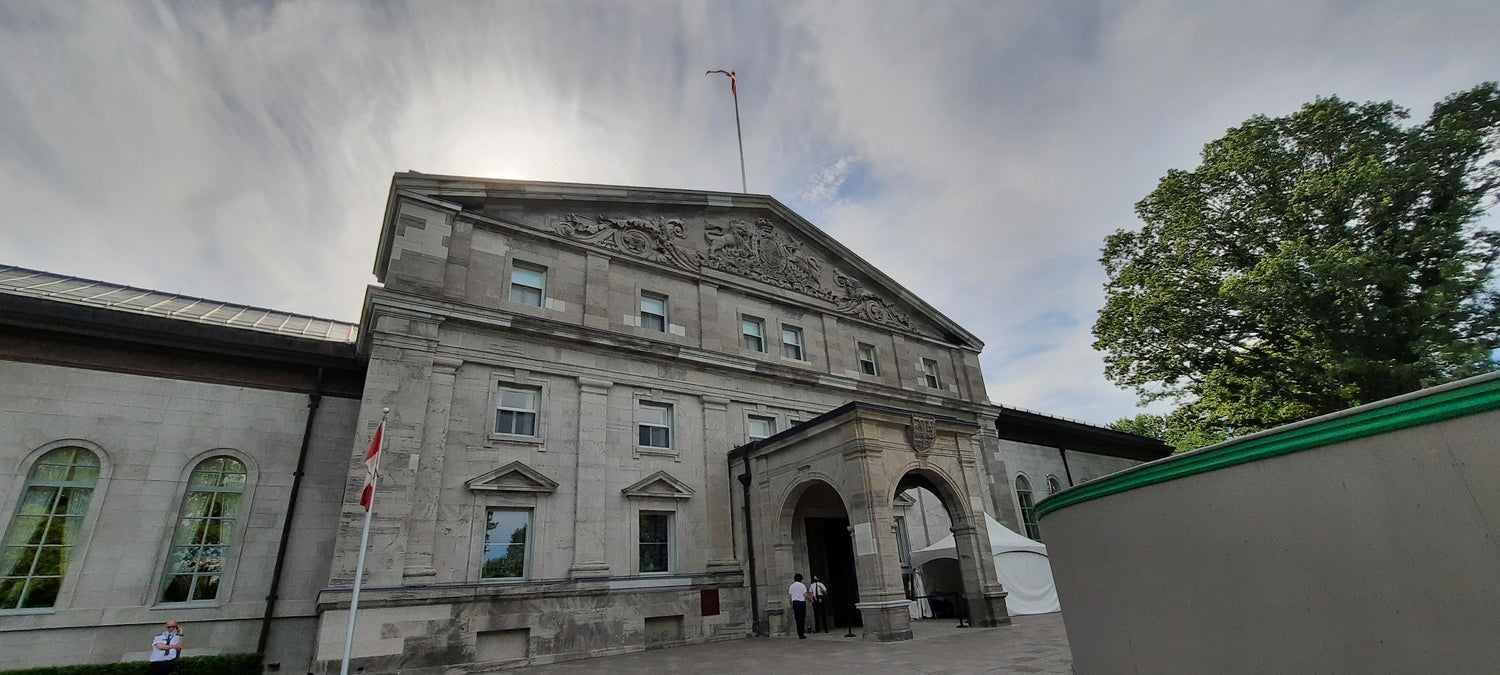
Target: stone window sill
(187,604)
(654,451)
(28,611)
(509,439)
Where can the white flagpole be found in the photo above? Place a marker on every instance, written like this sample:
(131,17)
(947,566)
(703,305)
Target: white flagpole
(734,88)
(364,543)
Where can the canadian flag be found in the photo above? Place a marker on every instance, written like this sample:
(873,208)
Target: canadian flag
(372,463)
(733,81)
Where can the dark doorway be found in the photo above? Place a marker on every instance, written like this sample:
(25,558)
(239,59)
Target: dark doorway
(830,555)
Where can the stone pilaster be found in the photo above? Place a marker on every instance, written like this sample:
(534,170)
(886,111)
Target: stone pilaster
(779,618)
(773,548)
(994,479)
(596,292)
(717,502)
(398,378)
(426,485)
(710,331)
(840,352)
(905,361)
(982,590)
(590,517)
(883,603)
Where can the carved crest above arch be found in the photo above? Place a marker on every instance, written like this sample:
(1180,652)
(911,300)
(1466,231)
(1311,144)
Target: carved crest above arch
(659,485)
(513,477)
(922,433)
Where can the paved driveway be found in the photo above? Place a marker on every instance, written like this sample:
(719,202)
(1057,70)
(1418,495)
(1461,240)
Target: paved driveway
(1031,644)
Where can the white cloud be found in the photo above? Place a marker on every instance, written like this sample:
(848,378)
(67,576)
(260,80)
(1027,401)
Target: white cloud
(978,153)
(824,185)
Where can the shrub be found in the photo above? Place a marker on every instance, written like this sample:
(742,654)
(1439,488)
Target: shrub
(226,664)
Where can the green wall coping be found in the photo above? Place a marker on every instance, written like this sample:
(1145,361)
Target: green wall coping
(1435,404)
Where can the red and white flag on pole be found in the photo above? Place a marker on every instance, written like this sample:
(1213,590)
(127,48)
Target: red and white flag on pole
(734,85)
(372,462)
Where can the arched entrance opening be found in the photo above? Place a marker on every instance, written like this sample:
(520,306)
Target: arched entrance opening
(822,547)
(948,587)
(922,520)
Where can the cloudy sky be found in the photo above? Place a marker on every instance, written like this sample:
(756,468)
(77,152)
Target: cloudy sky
(977,152)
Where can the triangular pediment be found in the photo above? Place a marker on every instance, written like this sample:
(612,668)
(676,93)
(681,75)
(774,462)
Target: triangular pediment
(659,485)
(513,477)
(729,237)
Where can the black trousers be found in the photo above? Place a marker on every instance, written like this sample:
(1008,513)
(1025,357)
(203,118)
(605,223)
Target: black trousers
(820,613)
(161,667)
(799,609)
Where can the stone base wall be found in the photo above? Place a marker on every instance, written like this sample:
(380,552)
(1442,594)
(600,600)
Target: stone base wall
(290,644)
(474,628)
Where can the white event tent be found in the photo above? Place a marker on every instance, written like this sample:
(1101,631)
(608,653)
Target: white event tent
(1020,563)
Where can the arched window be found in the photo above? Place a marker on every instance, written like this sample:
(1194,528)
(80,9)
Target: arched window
(1054,485)
(47,526)
(201,543)
(1028,511)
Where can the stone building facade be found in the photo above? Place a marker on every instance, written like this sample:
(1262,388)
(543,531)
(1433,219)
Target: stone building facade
(636,336)
(619,418)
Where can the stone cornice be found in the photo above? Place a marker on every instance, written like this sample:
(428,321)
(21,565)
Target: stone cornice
(379,300)
(463,197)
(857,411)
(338,597)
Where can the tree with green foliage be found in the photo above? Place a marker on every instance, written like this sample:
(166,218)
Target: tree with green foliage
(1311,263)
(1178,429)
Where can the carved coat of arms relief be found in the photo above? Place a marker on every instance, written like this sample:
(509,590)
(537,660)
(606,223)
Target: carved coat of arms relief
(922,433)
(759,252)
(649,238)
(755,251)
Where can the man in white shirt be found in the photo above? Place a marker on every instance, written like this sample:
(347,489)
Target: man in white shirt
(819,594)
(798,593)
(165,648)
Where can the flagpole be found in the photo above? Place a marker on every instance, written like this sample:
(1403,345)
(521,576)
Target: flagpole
(735,90)
(364,543)
(739,137)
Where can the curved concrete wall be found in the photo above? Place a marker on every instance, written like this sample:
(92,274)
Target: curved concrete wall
(1361,542)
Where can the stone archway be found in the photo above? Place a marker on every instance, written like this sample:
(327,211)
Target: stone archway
(814,539)
(971,542)
(860,454)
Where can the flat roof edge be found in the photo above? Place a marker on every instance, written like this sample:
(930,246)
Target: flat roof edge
(1435,404)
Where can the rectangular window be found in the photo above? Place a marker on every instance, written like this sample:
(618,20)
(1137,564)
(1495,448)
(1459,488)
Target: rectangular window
(930,374)
(515,411)
(505,536)
(867,363)
(754,331)
(653,311)
(760,427)
(903,543)
(656,542)
(791,343)
(528,284)
(655,423)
